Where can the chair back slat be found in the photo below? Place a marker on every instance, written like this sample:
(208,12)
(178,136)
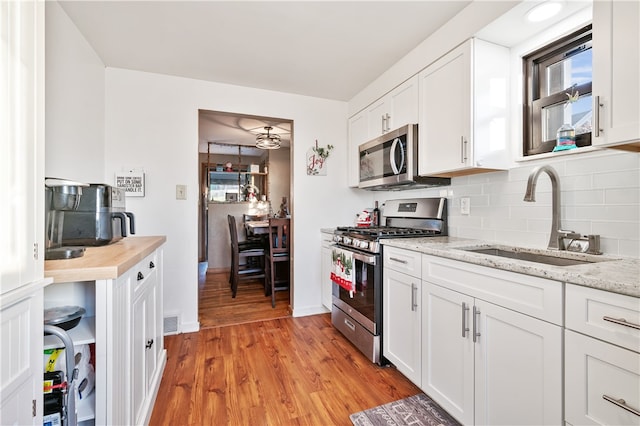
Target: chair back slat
(278,236)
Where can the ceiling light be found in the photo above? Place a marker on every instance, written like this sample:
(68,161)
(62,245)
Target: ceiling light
(267,140)
(544,11)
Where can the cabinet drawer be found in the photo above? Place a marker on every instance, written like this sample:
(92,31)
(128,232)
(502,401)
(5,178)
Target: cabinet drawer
(405,261)
(143,270)
(594,371)
(538,297)
(611,317)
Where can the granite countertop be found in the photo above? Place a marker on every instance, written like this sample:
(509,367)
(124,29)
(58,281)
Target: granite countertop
(611,273)
(105,262)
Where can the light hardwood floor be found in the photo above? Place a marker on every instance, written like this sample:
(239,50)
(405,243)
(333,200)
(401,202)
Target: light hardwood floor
(254,365)
(216,307)
(288,371)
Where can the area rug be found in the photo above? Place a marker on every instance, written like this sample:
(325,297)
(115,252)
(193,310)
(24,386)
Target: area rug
(416,410)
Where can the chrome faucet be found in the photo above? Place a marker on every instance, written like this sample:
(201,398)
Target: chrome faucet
(557,235)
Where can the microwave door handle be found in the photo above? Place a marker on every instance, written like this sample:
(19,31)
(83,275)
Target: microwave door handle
(394,145)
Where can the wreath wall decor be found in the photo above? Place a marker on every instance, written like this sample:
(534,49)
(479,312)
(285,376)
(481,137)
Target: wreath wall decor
(316,160)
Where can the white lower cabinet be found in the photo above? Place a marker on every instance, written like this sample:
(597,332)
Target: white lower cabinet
(21,354)
(602,359)
(326,290)
(489,365)
(402,324)
(127,330)
(402,311)
(486,343)
(147,342)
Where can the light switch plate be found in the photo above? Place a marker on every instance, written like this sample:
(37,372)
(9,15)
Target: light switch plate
(465,205)
(181,192)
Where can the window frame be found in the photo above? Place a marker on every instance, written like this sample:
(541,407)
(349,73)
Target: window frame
(534,81)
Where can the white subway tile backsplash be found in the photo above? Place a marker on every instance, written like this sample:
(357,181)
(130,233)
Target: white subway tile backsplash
(600,194)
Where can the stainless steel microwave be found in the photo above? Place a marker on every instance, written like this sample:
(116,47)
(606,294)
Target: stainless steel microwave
(390,162)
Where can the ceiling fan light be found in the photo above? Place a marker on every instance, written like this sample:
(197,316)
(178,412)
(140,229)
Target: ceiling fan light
(267,140)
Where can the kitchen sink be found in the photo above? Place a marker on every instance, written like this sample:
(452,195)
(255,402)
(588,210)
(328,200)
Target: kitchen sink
(567,258)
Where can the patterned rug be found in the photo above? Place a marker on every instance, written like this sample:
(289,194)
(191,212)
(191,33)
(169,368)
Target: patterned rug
(416,410)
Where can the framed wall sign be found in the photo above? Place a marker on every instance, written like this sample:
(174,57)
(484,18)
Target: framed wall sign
(131,182)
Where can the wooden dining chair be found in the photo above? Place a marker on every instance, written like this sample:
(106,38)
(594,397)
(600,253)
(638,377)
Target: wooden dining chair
(277,254)
(252,255)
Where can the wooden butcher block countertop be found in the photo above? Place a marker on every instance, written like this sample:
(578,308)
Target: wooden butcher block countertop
(105,262)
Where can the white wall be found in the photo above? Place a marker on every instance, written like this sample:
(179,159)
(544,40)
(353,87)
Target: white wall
(152,124)
(74,102)
(101,121)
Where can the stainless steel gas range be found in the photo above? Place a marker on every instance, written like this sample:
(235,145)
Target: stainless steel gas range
(357,267)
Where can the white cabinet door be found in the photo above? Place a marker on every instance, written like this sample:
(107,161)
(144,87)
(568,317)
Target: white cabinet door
(22,147)
(325,271)
(448,350)
(463,110)
(518,368)
(358,134)
(401,314)
(402,104)
(444,129)
(21,354)
(597,376)
(378,114)
(616,66)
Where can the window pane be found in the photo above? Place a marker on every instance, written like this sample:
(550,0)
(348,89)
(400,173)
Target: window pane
(577,113)
(575,69)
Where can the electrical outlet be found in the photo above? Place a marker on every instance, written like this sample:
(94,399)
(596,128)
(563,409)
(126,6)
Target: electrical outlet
(465,205)
(181,192)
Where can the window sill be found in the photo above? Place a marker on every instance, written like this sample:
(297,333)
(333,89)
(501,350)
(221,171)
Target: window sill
(556,154)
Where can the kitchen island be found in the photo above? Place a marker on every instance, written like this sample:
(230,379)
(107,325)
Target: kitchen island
(121,285)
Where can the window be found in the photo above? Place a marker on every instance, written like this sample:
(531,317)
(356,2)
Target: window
(557,91)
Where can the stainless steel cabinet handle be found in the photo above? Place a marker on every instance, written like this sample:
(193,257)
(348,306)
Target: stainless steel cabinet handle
(388,118)
(463,150)
(621,321)
(395,259)
(465,309)
(476,323)
(414,299)
(596,117)
(622,404)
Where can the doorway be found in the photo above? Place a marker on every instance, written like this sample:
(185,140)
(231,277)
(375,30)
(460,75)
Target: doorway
(235,178)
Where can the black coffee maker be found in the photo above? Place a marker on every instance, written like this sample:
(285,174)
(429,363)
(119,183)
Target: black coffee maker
(100,218)
(61,197)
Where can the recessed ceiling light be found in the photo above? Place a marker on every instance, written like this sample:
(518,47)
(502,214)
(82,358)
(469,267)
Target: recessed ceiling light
(544,11)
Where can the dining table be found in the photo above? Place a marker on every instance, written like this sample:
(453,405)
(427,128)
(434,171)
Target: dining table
(257,227)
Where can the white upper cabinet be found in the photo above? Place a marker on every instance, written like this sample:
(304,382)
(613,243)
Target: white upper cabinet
(21,152)
(395,109)
(616,71)
(463,107)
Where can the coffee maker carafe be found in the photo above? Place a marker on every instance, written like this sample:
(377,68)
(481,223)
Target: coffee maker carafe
(60,196)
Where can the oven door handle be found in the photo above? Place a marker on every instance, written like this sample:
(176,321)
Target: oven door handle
(369,260)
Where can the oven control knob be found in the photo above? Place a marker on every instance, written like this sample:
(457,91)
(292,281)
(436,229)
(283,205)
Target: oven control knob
(346,240)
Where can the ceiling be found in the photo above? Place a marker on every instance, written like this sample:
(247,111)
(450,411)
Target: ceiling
(330,48)
(326,49)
